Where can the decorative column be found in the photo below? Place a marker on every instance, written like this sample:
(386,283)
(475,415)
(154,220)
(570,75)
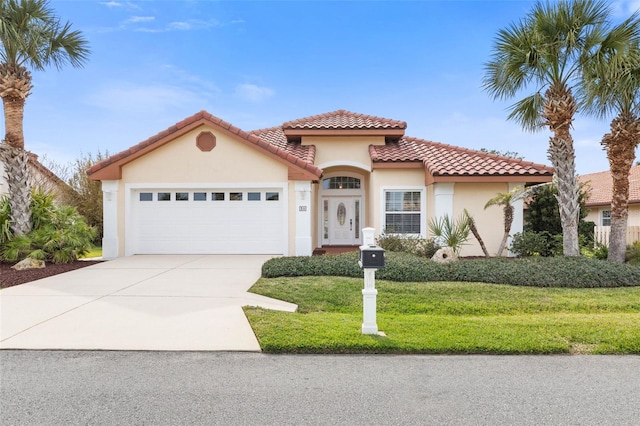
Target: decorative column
(443,198)
(110,242)
(303,218)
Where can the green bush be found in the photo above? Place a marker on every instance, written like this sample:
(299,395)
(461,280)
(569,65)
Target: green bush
(59,234)
(633,253)
(596,251)
(402,267)
(406,244)
(531,243)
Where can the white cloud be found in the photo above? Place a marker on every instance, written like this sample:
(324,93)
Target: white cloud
(111,3)
(137,19)
(253,93)
(624,8)
(127,98)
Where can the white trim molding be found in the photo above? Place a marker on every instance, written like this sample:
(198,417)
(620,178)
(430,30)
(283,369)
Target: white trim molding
(405,188)
(110,242)
(303,218)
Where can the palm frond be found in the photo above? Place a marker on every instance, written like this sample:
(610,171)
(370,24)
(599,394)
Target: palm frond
(527,112)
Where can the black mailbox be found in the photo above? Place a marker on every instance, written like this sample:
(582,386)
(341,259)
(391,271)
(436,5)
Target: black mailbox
(371,257)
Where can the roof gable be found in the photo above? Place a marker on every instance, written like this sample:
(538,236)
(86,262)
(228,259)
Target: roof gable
(600,187)
(111,168)
(342,122)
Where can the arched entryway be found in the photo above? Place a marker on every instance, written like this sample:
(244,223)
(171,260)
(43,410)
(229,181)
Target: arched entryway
(341,202)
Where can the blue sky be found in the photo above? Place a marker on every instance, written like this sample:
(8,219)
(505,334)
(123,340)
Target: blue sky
(259,64)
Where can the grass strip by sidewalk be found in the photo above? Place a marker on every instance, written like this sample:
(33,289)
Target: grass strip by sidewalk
(447,318)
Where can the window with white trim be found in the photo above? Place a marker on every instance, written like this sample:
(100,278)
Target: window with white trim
(605,218)
(403,212)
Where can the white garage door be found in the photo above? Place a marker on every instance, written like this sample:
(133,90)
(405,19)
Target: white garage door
(213,221)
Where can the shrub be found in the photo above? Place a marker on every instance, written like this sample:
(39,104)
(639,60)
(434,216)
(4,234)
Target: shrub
(530,243)
(59,234)
(407,244)
(402,267)
(633,253)
(596,251)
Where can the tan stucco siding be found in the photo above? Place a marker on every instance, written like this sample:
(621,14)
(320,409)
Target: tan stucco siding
(391,178)
(594,214)
(182,161)
(490,222)
(345,150)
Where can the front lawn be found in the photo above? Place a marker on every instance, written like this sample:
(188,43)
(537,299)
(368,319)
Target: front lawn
(447,317)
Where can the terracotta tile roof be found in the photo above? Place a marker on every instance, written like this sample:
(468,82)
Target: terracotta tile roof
(601,187)
(448,160)
(344,120)
(276,136)
(439,159)
(202,117)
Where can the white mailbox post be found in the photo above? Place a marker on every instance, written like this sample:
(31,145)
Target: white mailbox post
(371,259)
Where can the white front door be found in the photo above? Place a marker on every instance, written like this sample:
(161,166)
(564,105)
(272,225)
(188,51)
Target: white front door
(343,220)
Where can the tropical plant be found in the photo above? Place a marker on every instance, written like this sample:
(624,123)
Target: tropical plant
(474,230)
(450,233)
(547,50)
(506,200)
(612,85)
(31,35)
(59,233)
(5,219)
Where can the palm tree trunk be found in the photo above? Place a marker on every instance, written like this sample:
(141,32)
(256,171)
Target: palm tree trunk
(15,86)
(508,221)
(16,164)
(474,231)
(559,110)
(620,145)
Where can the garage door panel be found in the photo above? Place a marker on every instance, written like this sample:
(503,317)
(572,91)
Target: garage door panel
(209,227)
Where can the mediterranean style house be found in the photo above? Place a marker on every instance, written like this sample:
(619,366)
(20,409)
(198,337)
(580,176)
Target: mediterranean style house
(206,186)
(599,187)
(40,177)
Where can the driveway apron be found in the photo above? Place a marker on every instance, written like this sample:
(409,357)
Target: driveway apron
(181,302)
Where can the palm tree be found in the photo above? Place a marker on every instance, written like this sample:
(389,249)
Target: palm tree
(474,230)
(546,51)
(506,200)
(31,36)
(612,85)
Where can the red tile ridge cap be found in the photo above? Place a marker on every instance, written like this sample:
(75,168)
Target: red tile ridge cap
(305,121)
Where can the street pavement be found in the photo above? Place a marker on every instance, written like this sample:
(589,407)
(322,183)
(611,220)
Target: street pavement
(224,388)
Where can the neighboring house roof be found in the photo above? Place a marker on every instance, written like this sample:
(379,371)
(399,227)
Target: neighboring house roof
(40,174)
(600,186)
(33,162)
(444,163)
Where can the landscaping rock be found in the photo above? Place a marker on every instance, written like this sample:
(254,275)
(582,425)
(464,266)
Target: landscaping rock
(445,255)
(28,263)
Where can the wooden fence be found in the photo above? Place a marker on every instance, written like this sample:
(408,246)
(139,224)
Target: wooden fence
(601,234)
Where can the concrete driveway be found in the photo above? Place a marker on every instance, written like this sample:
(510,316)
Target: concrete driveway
(181,302)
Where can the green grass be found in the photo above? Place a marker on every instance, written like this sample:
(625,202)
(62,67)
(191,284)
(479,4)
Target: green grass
(447,317)
(96,251)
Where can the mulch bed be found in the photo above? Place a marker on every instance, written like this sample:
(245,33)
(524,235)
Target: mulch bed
(10,277)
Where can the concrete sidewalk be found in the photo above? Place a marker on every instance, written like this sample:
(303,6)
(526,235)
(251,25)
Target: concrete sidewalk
(172,302)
